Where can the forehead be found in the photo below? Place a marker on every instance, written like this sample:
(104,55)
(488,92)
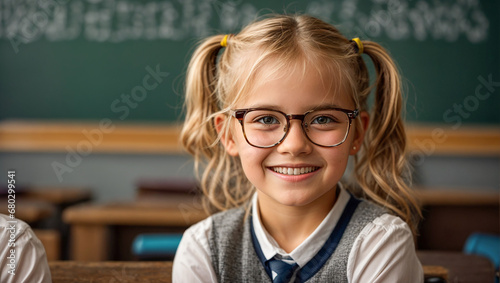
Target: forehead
(297,86)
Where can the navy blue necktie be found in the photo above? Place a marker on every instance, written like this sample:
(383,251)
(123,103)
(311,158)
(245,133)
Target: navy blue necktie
(283,270)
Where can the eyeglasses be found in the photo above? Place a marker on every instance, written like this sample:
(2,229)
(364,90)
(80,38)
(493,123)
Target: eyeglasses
(265,128)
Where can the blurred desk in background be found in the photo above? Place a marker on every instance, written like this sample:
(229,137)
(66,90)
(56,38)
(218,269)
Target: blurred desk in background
(36,204)
(60,196)
(29,210)
(461,267)
(450,216)
(102,232)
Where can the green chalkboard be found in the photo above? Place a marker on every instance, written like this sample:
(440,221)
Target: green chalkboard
(83,59)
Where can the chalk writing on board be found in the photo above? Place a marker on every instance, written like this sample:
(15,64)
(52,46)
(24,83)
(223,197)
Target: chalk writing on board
(403,19)
(27,21)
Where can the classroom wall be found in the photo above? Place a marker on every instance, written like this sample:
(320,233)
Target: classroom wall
(458,172)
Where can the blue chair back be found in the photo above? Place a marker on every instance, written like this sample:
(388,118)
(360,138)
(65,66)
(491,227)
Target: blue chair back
(156,245)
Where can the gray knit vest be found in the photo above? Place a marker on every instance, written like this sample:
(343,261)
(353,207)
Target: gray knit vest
(234,258)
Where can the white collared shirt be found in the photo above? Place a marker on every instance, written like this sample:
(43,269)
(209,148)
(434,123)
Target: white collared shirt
(383,252)
(29,260)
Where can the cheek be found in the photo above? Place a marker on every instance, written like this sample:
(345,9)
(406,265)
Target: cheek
(338,158)
(253,162)
(251,158)
(253,171)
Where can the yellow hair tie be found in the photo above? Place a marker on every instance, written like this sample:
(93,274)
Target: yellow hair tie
(359,44)
(223,42)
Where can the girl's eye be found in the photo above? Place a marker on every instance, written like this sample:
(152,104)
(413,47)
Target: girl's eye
(268,120)
(323,120)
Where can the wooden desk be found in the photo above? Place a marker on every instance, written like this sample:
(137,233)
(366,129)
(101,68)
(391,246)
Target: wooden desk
(134,271)
(28,210)
(110,271)
(461,267)
(95,226)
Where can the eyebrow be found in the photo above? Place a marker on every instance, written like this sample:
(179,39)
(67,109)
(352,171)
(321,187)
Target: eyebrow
(327,106)
(278,108)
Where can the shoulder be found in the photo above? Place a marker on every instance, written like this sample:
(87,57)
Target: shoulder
(192,259)
(19,233)
(24,249)
(199,231)
(386,225)
(384,251)
(18,227)
(195,239)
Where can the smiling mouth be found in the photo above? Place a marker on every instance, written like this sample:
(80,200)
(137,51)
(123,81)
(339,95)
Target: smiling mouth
(294,171)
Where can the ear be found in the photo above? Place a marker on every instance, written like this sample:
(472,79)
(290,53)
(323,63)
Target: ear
(360,132)
(226,135)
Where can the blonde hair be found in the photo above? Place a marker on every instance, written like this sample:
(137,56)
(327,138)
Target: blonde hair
(214,86)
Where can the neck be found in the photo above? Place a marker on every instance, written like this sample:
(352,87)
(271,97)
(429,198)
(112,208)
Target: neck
(291,225)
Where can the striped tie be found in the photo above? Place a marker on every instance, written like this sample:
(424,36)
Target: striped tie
(282,270)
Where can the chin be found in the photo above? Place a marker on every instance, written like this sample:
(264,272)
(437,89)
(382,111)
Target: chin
(297,199)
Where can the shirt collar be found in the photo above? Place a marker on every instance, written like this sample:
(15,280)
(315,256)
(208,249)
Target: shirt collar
(307,249)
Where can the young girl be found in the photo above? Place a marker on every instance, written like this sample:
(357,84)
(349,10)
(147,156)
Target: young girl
(273,121)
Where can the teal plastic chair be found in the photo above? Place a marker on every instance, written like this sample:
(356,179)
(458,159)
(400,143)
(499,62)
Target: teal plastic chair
(486,245)
(156,246)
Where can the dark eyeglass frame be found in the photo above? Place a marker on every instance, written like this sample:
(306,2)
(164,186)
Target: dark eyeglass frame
(239,114)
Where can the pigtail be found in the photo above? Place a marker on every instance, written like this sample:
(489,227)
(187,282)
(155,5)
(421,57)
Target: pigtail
(382,170)
(218,173)
(200,103)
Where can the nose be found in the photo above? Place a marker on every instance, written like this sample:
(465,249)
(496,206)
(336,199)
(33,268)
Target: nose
(295,142)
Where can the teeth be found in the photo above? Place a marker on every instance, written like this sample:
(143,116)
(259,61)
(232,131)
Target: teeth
(294,171)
